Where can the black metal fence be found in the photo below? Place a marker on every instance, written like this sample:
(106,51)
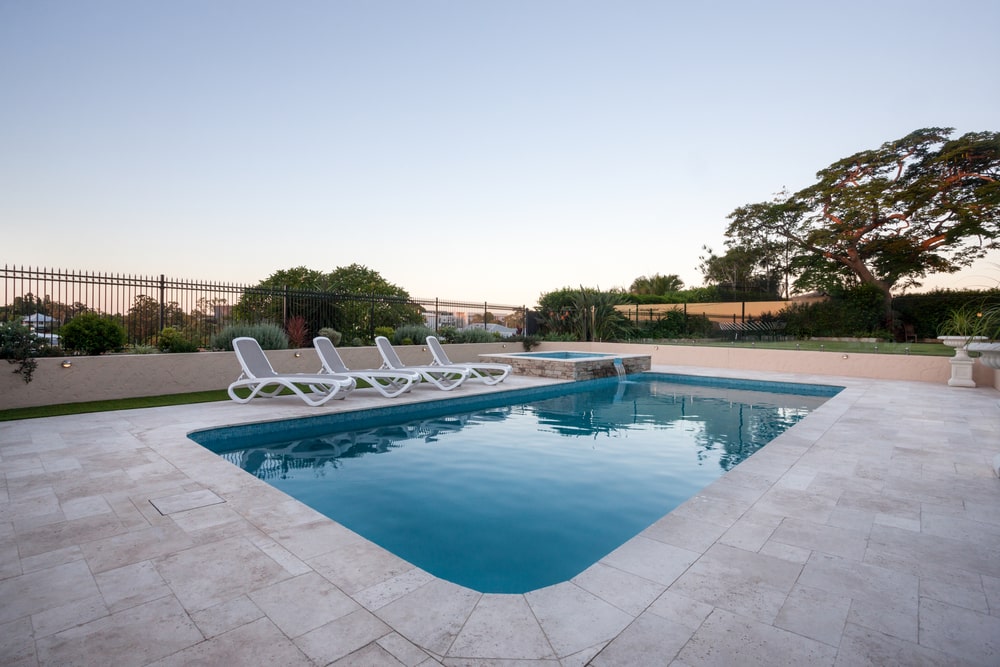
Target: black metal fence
(45,299)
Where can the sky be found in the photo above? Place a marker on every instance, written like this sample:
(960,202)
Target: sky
(465,150)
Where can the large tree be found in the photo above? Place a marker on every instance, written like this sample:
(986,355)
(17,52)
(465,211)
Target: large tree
(352,299)
(888,217)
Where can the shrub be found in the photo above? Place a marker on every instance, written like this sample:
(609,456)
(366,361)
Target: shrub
(19,345)
(410,334)
(334,335)
(448,334)
(92,334)
(270,336)
(383,331)
(298,331)
(172,339)
(475,336)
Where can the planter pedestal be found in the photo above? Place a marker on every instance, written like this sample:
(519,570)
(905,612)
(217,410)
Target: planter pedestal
(961,363)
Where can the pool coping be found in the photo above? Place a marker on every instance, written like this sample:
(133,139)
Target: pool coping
(761,552)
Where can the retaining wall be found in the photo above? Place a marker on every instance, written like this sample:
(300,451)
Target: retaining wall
(127,375)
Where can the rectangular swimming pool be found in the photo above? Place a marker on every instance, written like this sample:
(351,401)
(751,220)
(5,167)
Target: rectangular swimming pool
(509,492)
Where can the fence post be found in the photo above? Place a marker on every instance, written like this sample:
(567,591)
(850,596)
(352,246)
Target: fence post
(284,306)
(163,303)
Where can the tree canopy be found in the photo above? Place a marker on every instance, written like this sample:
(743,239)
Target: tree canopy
(351,299)
(886,217)
(657,284)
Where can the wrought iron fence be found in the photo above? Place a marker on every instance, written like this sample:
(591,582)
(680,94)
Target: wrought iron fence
(47,298)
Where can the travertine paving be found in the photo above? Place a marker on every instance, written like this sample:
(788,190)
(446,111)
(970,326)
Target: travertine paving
(869,534)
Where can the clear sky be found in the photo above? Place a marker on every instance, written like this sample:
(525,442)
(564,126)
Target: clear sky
(471,150)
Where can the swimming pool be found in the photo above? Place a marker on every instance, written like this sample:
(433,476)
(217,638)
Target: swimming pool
(509,492)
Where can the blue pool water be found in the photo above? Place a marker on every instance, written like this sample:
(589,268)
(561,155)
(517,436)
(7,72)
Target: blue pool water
(512,491)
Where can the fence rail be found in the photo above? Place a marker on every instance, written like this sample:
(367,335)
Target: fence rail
(144,305)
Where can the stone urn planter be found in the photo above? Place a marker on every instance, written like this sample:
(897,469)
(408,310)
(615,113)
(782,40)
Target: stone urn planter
(961,363)
(989,353)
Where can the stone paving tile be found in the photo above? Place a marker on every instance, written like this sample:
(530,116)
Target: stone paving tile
(63,617)
(226,616)
(501,627)
(368,656)
(181,502)
(135,546)
(730,639)
(815,614)
(402,650)
(303,603)
(925,554)
(573,619)
(680,609)
(743,582)
(131,585)
(205,575)
(17,643)
(136,636)
(824,538)
(432,615)
(650,559)
(649,640)
(256,643)
(342,636)
(58,534)
(863,647)
(37,591)
(382,593)
(967,635)
(629,592)
(991,586)
(686,532)
(358,565)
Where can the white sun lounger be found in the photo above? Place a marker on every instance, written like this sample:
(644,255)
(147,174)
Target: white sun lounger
(389,383)
(262,380)
(489,373)
(444,378)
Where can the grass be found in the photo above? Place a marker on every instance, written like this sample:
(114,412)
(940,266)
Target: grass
(115,404)
(924,349)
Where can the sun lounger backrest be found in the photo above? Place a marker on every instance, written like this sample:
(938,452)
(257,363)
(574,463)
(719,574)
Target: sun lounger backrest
(437,351)
(252,358)
(389,355)
(328,355)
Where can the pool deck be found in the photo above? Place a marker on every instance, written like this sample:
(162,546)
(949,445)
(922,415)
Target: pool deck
(869,534)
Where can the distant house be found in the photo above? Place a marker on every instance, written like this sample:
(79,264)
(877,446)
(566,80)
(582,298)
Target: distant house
(42,325)
(499,329)
(39,322)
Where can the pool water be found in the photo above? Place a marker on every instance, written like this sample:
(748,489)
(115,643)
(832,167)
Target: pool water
(560,355)
(508,498)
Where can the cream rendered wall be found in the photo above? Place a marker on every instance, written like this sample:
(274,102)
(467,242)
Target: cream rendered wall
(119,376)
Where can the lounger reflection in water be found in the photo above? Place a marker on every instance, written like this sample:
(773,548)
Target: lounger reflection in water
(261,379)
(445,378)
(390,383)
(489,373)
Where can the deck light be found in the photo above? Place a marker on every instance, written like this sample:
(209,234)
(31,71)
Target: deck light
(66,363)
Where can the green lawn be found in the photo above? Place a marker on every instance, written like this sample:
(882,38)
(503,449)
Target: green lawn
(925,349)
(119,404)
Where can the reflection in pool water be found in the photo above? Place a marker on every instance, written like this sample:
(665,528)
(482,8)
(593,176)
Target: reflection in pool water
(510,498)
